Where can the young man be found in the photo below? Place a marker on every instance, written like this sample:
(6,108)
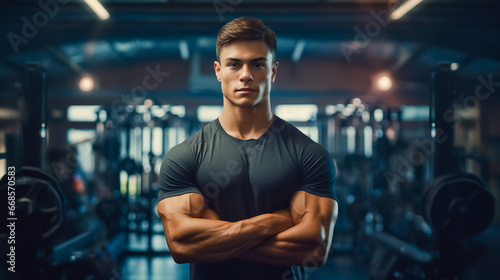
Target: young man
(248,196)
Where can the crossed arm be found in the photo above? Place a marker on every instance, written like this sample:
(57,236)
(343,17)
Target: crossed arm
(300,235)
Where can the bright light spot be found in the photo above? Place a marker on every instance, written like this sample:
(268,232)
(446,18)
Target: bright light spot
(157,141)
(390,133)
(86,83)
(82,113)
(368,141)
(298,113)
(403,9)
(158,111)
(141,109)
(75,136)
(365,116)
(299,49)
(208,113)
(348,110)
(148,102)
(97,7)
(184,49)
(43,131)
(384,83)
(179,110)
(415,112)
(454,66)
(103,116)
(351,139)
(356,101)
(310,131)
(330,110)
(378,115)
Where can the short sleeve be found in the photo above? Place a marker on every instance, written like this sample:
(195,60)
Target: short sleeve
(318,171)
(177,173)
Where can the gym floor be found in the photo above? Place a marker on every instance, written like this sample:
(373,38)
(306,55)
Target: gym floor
(139,266)
(341,265)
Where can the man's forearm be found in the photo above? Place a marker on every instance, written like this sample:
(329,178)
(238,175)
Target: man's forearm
(208,240)
(304,244)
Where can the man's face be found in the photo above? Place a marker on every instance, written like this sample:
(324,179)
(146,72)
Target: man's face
(246,71)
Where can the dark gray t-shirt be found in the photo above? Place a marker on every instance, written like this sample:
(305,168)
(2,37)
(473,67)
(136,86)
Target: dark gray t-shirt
(241,179)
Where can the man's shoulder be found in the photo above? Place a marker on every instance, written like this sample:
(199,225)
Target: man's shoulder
(187,150)
(303,144)
(203,135)
(291,132)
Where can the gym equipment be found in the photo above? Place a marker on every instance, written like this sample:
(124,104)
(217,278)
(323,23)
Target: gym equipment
(43,248)
(457,206)
(39,202)
(110,212)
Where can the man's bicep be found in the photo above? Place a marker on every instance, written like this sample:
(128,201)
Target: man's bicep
(177,211)
(189,205)
(171,209)
(306,208)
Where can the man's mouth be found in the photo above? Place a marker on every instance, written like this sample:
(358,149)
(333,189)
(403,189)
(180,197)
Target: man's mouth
(245,90)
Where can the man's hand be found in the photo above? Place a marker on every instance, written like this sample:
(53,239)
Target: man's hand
(308,242)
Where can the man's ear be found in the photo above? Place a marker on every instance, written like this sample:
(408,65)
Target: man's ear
(275,71)
(217,70)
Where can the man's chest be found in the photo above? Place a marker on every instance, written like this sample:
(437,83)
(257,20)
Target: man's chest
(263,171)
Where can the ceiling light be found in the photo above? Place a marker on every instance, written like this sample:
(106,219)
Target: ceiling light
(403,9)
(383,82)
(86,83)
(97,7)
(298,50)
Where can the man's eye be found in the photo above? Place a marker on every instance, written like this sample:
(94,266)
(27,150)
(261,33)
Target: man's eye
(232,65)
(259,65)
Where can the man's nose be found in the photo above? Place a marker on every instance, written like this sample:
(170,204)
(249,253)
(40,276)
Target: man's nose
(246,74)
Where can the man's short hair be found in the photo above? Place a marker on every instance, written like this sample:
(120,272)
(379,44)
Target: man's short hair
(246,28)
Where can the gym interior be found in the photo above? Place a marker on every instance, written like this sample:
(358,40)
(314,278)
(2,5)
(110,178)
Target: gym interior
(403,95)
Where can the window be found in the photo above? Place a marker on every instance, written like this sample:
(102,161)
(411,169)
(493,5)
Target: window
(208,113)
(82,113)
(297,113)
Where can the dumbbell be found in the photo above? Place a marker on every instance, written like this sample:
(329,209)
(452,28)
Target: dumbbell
(39,202)
(458,205)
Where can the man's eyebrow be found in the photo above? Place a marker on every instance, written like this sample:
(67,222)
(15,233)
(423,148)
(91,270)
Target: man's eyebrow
(253,60)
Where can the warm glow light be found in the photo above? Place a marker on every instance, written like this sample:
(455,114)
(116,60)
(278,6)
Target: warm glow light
(454,66)
(100,11)
(86,83)
(356,101)
(403,9)
(384,83)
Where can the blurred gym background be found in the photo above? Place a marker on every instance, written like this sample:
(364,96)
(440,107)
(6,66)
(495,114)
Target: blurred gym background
(401,93)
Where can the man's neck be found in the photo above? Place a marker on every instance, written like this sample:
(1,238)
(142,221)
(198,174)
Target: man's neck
(246,123)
